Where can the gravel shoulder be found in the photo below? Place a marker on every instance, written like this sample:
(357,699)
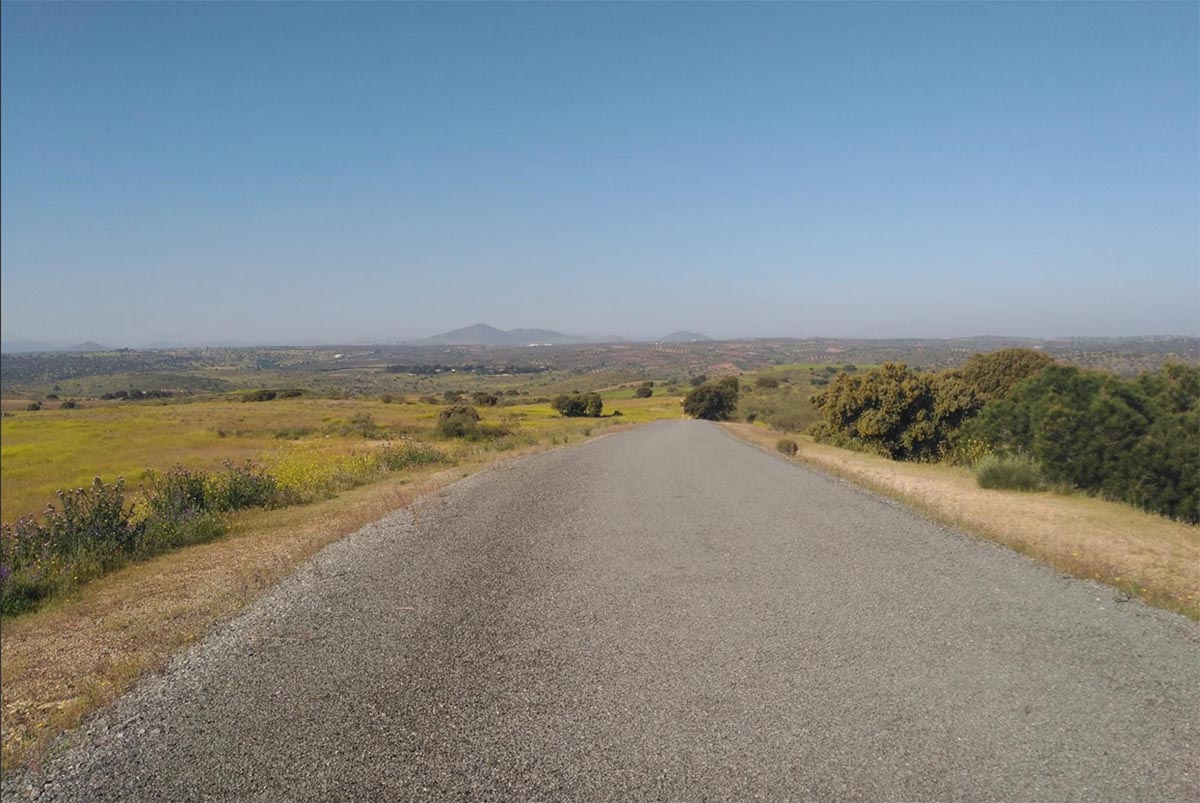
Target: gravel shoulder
(664,614)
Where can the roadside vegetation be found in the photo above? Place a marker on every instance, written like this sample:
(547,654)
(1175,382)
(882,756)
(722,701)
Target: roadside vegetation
(1085,451)
(219,500)
(1035,423)
(163,477)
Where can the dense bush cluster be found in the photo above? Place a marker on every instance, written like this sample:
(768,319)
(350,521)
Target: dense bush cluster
(910,415)
(579,405)
(1025,422)
(1135,440)
(714,401)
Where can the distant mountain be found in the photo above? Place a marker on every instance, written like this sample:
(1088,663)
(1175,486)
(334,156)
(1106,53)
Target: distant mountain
(483,335)
(684,337)
(90,345)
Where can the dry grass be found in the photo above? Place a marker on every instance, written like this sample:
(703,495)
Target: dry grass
(1143,555)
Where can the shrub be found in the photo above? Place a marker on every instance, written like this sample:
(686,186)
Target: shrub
(787,446)
(1131,440)
(458,421)
(643,392)
(290,393)
(91,530)
(70,404)
(428,400)
(33,407)
(889,410)
(409,454)
(451,396)
(177,492)
(714,401)
(258,396)
(1014,473)
(577,405)
(241,486)
(486,399)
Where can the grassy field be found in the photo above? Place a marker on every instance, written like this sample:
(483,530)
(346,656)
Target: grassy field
(81,650)
(44,451)
(1139,554)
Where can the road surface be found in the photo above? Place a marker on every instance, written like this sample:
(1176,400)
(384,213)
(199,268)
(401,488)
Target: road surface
(663,614)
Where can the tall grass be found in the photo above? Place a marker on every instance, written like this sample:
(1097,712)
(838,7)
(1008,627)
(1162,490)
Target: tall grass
(1013,473)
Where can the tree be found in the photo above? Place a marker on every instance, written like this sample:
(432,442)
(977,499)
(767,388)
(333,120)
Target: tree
(643,392)
(713,401)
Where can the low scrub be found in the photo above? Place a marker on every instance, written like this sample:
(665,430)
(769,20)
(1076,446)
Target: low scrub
(409,454)
(1011,473)
(94,530)
(787,446)
(458,421)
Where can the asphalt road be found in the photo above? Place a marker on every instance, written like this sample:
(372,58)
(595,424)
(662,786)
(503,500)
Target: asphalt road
(664,614)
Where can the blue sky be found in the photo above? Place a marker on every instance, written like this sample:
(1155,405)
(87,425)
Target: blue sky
(296,172)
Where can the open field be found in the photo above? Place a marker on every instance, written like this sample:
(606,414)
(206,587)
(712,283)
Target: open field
(1141,554)
(77,653)
(47,450)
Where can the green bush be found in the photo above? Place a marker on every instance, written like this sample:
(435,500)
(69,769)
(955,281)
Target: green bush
(33,407)
(579,405)
(643,392)
(714,401)
(787,446)
(1132,440)
(1013,473)
(70,404)
(258,396)
(241,486)
(910,415)
(89,531)
(458,421)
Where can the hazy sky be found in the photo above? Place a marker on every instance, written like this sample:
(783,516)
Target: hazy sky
(286,172)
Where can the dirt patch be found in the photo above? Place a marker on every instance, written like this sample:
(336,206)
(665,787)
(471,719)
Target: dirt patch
(1143,555)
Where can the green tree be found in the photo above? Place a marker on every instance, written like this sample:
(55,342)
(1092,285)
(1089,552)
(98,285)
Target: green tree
(714,401)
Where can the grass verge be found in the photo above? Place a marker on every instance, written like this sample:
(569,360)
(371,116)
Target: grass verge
(1142,555)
